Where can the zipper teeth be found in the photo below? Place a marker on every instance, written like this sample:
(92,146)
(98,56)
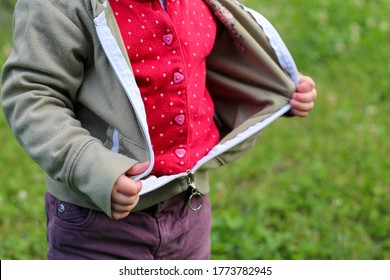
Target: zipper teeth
(126,78)
(191,179)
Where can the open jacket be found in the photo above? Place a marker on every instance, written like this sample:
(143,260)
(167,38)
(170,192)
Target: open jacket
(70,97)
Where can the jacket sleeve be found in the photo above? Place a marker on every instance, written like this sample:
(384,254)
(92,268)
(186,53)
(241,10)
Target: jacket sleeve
(40,82)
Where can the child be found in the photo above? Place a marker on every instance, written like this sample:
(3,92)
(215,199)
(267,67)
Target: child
(103,94)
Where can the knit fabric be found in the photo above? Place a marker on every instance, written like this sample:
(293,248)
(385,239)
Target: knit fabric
(167,49)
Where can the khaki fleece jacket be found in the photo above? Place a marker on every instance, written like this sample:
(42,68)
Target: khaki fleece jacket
(70,97)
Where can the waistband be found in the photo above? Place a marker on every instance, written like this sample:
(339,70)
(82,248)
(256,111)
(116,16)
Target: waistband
(164,193)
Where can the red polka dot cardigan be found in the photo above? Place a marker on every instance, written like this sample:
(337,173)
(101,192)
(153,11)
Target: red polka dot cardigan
(167,49)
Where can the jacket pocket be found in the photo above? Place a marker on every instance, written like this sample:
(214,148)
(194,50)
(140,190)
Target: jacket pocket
(117,143)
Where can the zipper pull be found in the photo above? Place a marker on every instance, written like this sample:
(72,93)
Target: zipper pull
(194,192)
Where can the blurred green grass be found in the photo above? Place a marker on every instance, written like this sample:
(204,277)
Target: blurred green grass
(314,188)
(22,217)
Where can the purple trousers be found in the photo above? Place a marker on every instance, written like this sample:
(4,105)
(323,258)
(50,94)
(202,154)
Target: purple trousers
(168,230)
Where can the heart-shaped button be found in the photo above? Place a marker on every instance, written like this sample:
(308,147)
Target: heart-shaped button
(178,77)
(167,38)
(180,153)
(179,119)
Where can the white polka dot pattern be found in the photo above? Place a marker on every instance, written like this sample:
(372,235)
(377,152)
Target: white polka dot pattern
(168,50)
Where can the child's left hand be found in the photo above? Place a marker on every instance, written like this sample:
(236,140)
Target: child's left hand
(302,101)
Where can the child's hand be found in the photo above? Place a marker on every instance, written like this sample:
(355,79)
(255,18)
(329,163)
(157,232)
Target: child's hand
(125,194)
(302,101)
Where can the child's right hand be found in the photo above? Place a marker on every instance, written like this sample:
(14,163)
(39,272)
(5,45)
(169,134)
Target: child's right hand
(125,194)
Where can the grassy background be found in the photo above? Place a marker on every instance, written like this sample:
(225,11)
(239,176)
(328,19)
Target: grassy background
(314,188)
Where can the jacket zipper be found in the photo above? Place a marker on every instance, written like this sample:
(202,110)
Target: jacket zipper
(195,201)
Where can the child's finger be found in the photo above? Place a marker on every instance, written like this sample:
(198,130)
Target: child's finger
(305,97)
(127,186)
(138,168)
